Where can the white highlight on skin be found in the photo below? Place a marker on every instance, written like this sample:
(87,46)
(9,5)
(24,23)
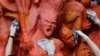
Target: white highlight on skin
(47,45)
(10,41)
(13,29)
(93,16)
(92,45)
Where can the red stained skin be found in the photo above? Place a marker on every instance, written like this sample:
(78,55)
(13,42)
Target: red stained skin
(4,31)
(47,24)
(95,30)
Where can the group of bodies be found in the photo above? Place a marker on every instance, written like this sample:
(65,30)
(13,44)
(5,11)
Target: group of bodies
(46,27)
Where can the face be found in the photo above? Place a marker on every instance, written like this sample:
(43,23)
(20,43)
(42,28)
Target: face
(67,36)
(48,23)
(86,24)
(83,50)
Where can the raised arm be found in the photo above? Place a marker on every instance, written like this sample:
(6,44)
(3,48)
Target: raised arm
(14,27)
(25,40)
(92,45)
(93,16)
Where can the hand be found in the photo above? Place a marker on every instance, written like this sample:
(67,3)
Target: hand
(75,36)
(50,47)
(14,27)
(83,35)
(93,16)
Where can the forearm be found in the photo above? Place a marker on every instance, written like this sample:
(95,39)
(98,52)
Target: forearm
(9,45)
(22,22)
(21,15)
(98,23)
(92,45)
(14,27)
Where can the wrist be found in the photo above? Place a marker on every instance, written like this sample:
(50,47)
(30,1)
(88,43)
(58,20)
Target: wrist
(11,36)
(96,21)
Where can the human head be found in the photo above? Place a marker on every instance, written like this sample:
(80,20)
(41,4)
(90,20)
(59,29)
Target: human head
(86,24)
(67,36)
(73,10)
(83,50)
(48,16)
(86,3)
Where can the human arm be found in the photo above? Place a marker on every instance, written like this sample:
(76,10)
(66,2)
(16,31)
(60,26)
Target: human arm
(93,16)
(13,29)
(92,45)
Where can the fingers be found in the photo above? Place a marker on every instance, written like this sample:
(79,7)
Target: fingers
(50,47)
(91,13)
(14,27)
(47,45)
(84,36)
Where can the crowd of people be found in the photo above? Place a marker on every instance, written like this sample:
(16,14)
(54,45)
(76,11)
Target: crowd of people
(49,28)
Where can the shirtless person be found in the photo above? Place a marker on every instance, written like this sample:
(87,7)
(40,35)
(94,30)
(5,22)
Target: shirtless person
(72,20)
(68,39)
(73,14)
(46,25)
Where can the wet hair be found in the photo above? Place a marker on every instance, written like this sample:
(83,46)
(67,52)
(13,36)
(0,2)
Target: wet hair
(55,6)
(73,5)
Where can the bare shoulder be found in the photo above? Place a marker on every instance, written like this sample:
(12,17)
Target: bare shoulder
(58,43)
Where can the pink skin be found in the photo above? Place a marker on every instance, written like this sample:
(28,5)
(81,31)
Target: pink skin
(43,29)
(28,9)
(32,20)
(36,1)
(73,14)
(3,34)
(25,40)
(83,50)
(46,26)
(48,22)
(67,37)
(95,30)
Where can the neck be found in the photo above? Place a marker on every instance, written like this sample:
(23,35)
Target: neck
(38,35)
